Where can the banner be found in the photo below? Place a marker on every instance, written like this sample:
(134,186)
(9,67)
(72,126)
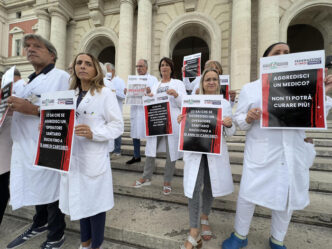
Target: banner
(192,64)
(5,92)
(136,88)
(57,119)
(201,127)
(157,114)
(293,93)
(224,85)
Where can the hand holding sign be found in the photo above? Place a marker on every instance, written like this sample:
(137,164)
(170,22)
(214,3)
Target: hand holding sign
(172,92)
(180,117)
(83,130)
(253,114)
(22,105)
(227,122)
(328,82)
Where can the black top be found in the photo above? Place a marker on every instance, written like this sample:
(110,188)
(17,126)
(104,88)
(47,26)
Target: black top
(45,70)
(80,97)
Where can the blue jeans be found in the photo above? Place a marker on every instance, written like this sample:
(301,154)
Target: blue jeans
(137,147)
(93,228)
(117,145)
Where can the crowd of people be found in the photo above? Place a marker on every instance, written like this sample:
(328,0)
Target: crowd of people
(271,157)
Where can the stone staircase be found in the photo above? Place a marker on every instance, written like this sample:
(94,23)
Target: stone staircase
(145,218)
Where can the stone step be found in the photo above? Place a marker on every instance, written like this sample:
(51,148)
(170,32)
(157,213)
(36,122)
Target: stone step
(325,136)
(153,224)
(320,163)
(239,147)
(310,133)
(12,226)
(319,181)
(319,212)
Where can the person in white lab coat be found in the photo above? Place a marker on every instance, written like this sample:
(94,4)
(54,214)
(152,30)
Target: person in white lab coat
(275,167)
(30,185)
(86,192)
(6,149)
(137,124)
(169,144)
(211,171)
(119,87)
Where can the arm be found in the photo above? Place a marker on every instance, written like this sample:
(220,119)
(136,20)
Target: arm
(229,126)
(113,126)
(120,88)
(186,83)
(242,111)
(23,106)
(181,91)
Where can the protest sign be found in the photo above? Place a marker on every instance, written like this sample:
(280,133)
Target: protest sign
(5,92)
(136,88)
(57,118)
(201,126)
(157,114)
(224,85)
(293,95)
(192,64)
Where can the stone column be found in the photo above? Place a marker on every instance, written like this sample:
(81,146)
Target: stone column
(59,34)
(70,49)
(240,43)
(125,47)
(268,25)
(44,25)
(144,30)
(4,31)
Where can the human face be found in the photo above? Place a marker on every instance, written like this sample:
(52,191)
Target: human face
(141,68)
(210,82)
(165,70)
(84,68)
(279,50)
(37,54)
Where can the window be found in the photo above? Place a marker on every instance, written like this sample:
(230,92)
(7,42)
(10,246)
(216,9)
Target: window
(17,47)
(18,14)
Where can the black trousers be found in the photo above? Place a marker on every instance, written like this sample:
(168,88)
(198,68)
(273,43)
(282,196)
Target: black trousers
(4,193)
(50,214)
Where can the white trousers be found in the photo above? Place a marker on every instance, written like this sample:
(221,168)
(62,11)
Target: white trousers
(245,211)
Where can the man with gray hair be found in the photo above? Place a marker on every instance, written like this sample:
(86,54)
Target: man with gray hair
(137,124)
(29,184)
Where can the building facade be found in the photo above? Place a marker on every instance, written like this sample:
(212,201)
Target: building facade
(236,33)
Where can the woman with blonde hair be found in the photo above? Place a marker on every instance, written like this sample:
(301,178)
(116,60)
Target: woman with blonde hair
(86,192)
(211,171)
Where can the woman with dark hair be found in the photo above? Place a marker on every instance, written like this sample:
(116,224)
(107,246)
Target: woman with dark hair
(86,192)
(175,89)
(211,171)
(275,167)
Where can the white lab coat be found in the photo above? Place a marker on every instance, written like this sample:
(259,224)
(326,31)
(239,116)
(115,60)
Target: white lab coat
(5,145)
(6,142)
(87,189)
(137,123)
(31,185)
(191,86)
(219,166)
(175,106)
(117,85)
(276,161)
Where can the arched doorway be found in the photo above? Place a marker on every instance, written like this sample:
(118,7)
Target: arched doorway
(188,46)
(102,48)
(107,55)
(303,37)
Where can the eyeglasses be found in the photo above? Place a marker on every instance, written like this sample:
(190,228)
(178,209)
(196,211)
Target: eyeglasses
(139,66)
